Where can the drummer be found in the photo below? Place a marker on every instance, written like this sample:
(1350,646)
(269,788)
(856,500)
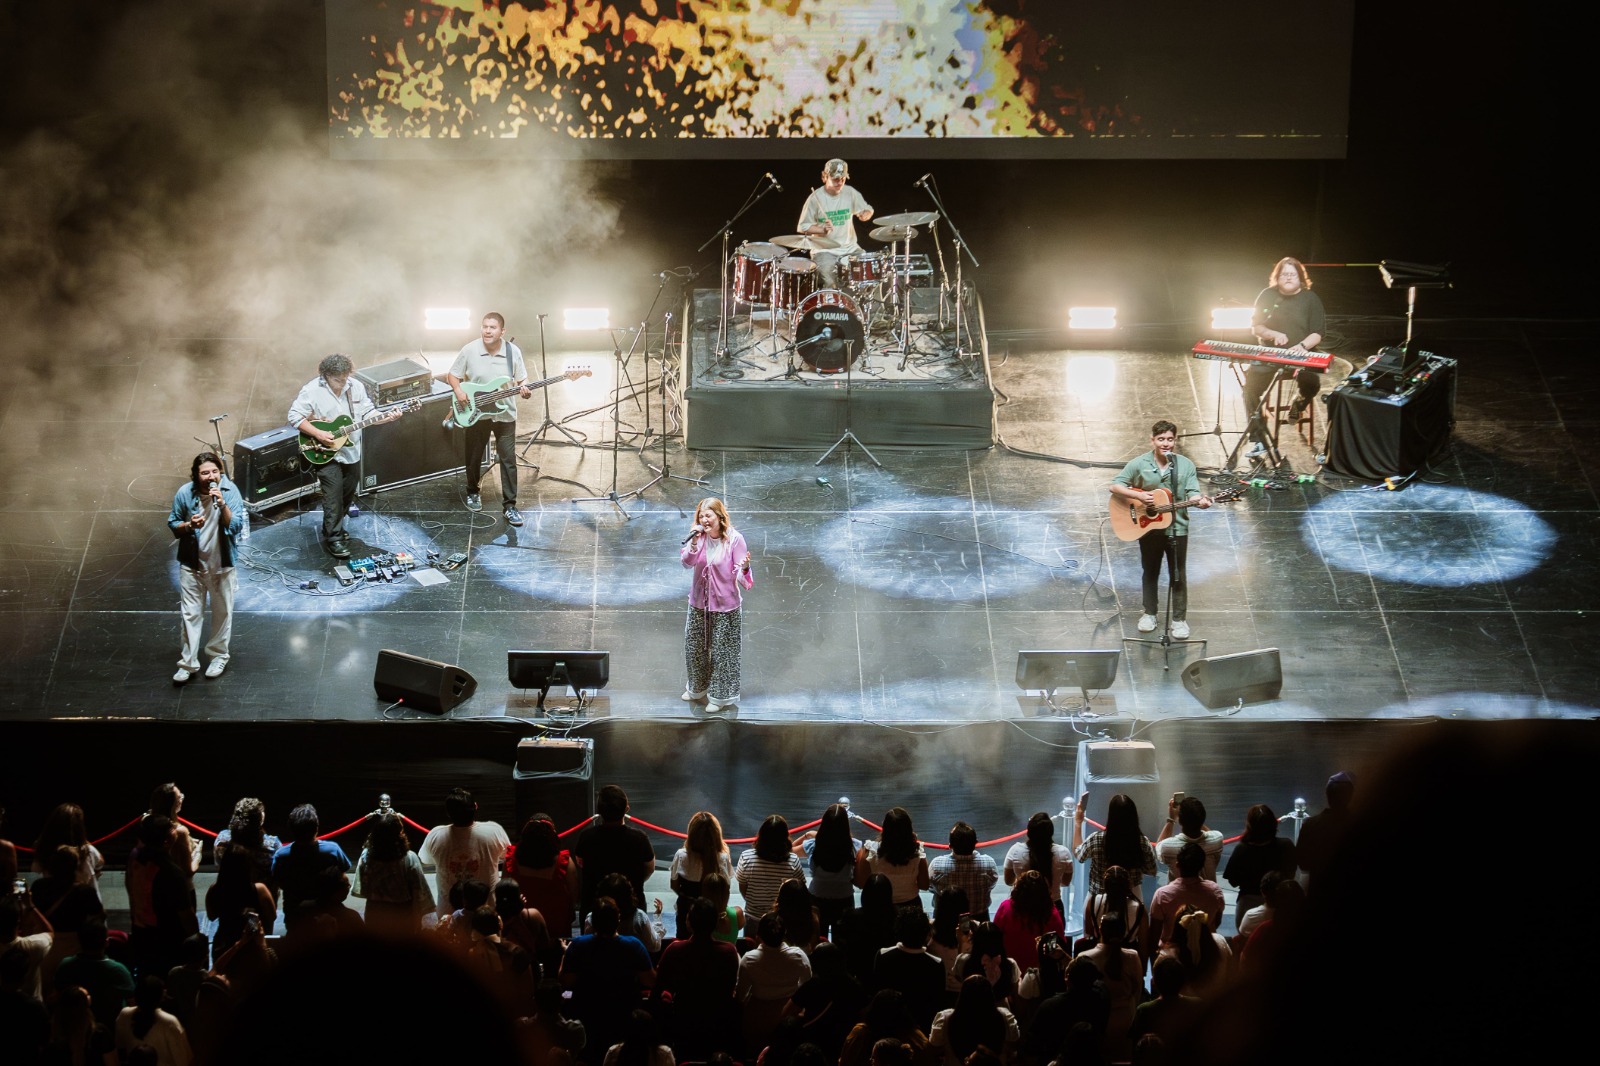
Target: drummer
(831,212)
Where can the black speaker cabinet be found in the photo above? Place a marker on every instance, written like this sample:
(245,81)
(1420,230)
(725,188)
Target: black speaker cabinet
(1224,680)
(416,447)
(555,776)
(269,470)
(421,684)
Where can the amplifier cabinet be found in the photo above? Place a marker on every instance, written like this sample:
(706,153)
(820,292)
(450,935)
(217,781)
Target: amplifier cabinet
(269,469)
(398,380)
(415,447)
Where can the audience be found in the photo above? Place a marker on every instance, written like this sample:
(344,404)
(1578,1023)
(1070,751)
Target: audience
(1120,843)
(612,846)
(763,869)
(1118,898)
(146,1024)
(606,972)
(1025,916)
(695,985)
(247,830)
(547,874)
(909,969)
(1039,851)
(1188,815)
(1122,970)
(233,899)
(461,848)
(769,974)
(166,800)
(107,981)
(160,899)
(830,861)
(66,903)
(1188,890)
(703,852)
(64,827)
(24,928)
(297,865)
(389,876)
(976,1021)
(897,854)
(77,1034)
(830,1003)
(966,868)
(868,929)
(1260,849)
(1321,834)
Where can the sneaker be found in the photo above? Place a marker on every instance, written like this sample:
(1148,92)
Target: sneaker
(215,667)
(1180,630)
(1147,623)
(513,516)
(1256,450)
(714,707)
(182,676)
(474,501)
(690,697)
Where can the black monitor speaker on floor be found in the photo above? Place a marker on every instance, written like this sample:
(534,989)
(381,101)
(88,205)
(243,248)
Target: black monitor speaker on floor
(421,684)
(1046,671)
(1237,679)
(576,670)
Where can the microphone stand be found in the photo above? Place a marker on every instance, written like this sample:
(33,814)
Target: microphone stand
(849,434)
(548,423)
(664,471)
(613,497)
(720,353)
(961,246)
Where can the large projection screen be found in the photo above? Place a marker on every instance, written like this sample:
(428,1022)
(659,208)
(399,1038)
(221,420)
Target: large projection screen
(1171,79)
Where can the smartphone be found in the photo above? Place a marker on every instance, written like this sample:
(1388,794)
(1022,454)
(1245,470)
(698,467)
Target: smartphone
(1177,798)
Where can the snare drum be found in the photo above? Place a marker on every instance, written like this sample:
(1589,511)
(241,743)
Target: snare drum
(823,323)
(751,278)
(796,280)
(868,268)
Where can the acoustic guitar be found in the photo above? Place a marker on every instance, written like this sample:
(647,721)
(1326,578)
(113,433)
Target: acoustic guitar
(1131,520)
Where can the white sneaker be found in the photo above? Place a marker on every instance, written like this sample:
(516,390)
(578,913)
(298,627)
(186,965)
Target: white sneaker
(1147,623)
(182,676)
(714,707)
(1180,630)
(215,667)
(690,697)
(1255,451)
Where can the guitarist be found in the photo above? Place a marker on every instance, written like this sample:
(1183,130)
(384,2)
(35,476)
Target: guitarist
(334,392)
(1163,468)
(492,357)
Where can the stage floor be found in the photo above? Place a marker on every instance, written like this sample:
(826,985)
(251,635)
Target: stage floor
(897,594)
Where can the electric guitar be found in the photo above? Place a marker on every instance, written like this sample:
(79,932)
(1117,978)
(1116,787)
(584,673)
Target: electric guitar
(344,428)
(1131,520)
(481,398)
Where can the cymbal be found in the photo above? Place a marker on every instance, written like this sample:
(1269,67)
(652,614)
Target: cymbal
(909,218)
(761,251)
(889,234)
(802,242)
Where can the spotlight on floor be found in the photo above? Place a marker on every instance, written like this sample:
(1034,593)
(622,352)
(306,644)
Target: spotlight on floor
(1224,318)
(447,318)
(582,318)
(1091,318)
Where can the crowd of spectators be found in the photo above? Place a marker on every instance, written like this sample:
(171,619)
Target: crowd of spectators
(834,959)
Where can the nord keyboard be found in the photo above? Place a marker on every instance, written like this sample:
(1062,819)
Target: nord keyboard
(1259,353)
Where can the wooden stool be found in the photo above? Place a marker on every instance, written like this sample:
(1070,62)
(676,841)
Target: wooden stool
(1306,425)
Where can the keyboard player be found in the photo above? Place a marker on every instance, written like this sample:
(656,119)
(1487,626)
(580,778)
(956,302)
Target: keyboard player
(1287,315)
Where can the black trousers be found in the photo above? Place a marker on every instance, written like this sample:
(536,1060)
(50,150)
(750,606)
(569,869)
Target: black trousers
(505,446)
(1153,549)
(1258,379)
(339,483)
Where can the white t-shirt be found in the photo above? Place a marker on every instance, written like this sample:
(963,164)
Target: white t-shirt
(461,852)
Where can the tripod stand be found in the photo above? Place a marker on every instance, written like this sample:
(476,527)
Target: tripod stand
(1169,552)
(614,497)
(548,423)
(664,471)
(722,357)
(849,434)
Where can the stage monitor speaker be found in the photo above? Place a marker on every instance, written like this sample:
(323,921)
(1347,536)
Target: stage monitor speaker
(421,684)
(1227,680)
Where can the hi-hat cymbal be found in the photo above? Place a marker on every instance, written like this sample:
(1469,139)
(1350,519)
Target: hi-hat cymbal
(909,218)
(761,251)
(801,241)
(889,234)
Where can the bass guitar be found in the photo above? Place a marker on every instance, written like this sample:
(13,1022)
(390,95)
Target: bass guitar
(482,398)
(344,428)
(1131,520)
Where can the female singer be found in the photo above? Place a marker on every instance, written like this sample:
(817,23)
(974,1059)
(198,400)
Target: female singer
(717,554)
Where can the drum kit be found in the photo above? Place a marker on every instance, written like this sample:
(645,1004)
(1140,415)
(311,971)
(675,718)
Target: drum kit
(830,327)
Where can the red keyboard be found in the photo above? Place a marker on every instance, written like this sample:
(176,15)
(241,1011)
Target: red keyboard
(1260,353)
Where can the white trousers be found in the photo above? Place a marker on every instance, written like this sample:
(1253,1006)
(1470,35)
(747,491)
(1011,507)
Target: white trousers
(193,588)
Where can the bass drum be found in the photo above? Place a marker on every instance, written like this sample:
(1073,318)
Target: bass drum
(751,277)
(828,329)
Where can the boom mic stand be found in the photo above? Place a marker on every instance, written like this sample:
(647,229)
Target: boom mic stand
(721,359)
(613,497)
(548,423)
(1166,640)
(928,186)
(849,434)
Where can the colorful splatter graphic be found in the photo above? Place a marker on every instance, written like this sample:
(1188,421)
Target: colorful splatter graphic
(696,69)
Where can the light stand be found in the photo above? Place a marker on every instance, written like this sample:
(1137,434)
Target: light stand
(849,434)
(613,497)
(1167,640)
(548,423)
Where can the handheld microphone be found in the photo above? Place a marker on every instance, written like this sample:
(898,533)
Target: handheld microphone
(692,532)
(774,181)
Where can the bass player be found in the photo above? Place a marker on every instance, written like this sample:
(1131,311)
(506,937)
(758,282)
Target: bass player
(492,357)
(1163,468)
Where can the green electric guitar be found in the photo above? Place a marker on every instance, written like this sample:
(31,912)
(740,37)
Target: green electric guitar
(344,428)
